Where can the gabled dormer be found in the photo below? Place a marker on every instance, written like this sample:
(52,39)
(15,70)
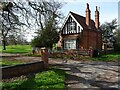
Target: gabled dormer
(71,25)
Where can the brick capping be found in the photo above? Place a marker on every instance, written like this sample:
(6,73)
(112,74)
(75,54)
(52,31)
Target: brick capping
(28,68)
(22,69)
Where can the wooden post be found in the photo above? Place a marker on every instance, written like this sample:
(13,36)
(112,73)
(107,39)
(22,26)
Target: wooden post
(44,56)
(105,49)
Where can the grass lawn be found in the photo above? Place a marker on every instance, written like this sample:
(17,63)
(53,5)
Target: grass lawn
(108,57)
(16,49)
(50,79)
(6,62)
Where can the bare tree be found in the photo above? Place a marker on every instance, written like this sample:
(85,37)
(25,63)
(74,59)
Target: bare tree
(9,22)
(29,13)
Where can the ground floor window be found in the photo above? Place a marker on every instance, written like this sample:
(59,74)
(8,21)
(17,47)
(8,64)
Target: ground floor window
(70,44)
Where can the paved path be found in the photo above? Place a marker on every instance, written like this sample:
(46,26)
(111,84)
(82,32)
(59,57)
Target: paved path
(85,74)
(8,55)
(19,57)
(89,74)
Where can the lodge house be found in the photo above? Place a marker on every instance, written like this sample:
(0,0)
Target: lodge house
(79,32)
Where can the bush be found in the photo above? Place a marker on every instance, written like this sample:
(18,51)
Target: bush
(117,47)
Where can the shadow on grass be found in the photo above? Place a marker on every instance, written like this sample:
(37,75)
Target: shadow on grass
(107,57)
(52,78)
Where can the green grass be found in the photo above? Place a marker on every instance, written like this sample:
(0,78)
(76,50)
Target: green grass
(33,55)
(50,79)
(108,57)
(16,49)
(5,62)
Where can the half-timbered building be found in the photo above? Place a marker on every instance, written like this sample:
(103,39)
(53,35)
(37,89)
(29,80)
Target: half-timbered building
(80,32)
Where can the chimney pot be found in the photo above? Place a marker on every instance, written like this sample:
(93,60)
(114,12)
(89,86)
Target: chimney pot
(97,18)
(88,16)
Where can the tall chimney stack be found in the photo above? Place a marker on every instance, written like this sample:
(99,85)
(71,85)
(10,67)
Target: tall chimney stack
(88,16)
(97,18)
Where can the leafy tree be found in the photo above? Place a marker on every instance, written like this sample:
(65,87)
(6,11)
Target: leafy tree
(108,35)
(47,34)
(117,39)
(47,37)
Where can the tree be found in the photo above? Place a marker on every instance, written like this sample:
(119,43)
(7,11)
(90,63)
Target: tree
(108,35)
(31,14)
(47,34)
(117,39)
(6,21)
(47,37)
(9,22)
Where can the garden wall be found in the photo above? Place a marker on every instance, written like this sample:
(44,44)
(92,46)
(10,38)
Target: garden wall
(22,69)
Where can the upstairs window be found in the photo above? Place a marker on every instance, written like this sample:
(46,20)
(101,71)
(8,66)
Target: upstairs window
(72,27)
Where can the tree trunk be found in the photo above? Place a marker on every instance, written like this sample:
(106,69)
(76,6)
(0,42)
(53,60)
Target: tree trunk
(4,45)
(105,49)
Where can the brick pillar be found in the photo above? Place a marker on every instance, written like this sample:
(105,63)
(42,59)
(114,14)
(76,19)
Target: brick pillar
(91,52)
(44,56)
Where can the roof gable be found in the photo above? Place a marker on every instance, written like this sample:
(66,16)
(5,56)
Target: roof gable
(70,14)
(80,20)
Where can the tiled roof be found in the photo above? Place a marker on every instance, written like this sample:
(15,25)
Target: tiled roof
(82,21)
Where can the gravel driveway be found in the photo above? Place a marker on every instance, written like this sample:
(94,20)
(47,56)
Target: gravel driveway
(86,74)
(89,74)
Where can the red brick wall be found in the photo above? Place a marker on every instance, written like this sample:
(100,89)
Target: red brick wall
(89,39)
(84,40)
(100,41)
(22,69)
(92,39)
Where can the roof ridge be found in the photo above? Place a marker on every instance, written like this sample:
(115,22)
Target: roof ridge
(77,14)
(82,21)
(80,15)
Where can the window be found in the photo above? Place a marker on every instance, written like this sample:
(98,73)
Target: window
(70,44)
(72,25)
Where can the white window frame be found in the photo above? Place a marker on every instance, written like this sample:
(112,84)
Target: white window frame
(72,26)
(70,44)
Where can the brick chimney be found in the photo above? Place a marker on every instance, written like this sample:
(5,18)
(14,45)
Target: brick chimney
(88,16)
(96,18)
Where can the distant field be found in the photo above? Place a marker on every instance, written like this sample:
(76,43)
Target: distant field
(16,49)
